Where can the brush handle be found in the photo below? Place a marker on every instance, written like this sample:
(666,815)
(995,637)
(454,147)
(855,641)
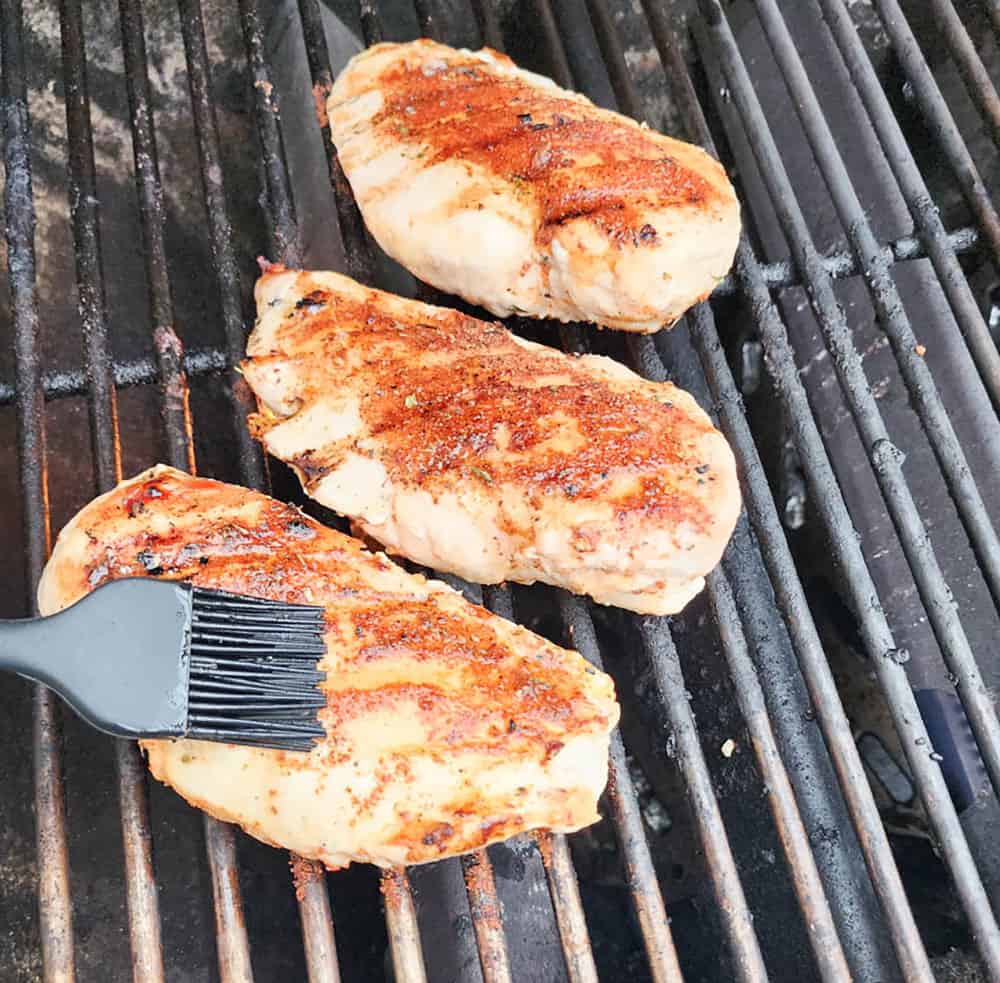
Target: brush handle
(118,657)
(32,647)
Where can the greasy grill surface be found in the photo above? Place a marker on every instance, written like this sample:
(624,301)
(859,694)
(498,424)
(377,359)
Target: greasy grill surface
(771,648)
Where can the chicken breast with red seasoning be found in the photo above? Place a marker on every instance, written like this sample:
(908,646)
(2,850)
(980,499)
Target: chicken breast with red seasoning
(457,444)
(447,728)
(494,184)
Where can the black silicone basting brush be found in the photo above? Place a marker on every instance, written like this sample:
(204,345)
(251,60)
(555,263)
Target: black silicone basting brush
(151,658)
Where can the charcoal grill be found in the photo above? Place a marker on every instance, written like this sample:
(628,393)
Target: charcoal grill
(794,746)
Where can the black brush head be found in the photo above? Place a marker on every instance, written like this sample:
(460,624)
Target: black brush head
(253,671)
(145,658)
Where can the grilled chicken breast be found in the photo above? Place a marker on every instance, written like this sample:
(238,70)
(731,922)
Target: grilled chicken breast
(447,728)
(493,183)
(467,449)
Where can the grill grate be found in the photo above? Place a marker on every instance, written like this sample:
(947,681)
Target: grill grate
(762,671)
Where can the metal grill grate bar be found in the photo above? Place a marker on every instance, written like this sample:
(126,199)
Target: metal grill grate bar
(404,933)
(281,209)
(360,264)
(639,871)
(140,881)
(748,963)
(317,922)
(827,950)
(54,901)
(911,183)
(818,917)
(565,891)
(554,851)
(970,65)
(923,393)
(875,628)
(166,344)
(98,376)
(233,945)
(889,305)
(484,907)
(940,121)
(784,576)
(220,236)
(210,359)
(895,490)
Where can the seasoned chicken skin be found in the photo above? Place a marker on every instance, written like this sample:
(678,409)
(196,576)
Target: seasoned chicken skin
(447,728)
(493,183)
(469,450)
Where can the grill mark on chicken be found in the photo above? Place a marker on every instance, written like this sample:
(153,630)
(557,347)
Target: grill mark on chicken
(619,433)
(416,421)
(409,664)
(462,112)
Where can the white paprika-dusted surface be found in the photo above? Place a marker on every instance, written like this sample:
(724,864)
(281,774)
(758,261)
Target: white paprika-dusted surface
(457,444)
(495,184)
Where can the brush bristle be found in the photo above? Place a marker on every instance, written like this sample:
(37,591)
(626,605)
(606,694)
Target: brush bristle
(254,677)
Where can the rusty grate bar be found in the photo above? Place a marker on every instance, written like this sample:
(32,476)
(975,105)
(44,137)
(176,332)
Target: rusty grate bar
(310,887)
(404,933)
(54,901)
(970,65)
(140,881)
(568,908)
(220,236)
(484,907)
(233,944)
